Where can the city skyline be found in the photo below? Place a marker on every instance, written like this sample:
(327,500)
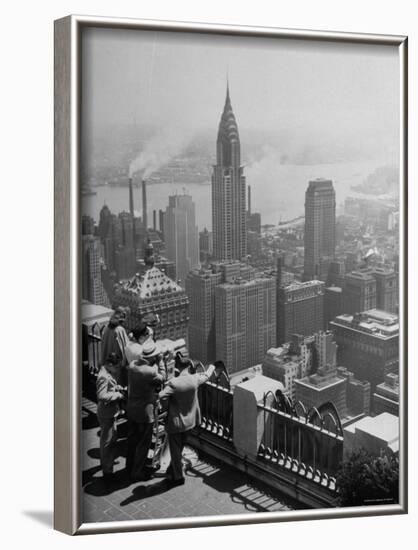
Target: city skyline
(289,296)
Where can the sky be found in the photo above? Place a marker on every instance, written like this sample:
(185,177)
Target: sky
(307,91)
(304,109)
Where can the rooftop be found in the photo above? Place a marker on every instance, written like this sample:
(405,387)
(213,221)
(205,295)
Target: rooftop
(385,426)
(298,285)
(317,382)
(360,276)
(149,284)
(211,487)
(381,324)
(92,313)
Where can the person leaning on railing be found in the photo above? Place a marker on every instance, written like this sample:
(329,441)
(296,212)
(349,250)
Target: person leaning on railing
(109,396)
(180,395)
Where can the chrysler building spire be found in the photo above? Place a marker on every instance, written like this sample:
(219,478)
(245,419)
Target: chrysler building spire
(228,190)
(228,145)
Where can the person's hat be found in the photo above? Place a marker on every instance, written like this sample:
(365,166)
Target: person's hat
(113,359)
(120,313)
(151,349)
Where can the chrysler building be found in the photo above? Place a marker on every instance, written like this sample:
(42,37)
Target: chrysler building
(228,191)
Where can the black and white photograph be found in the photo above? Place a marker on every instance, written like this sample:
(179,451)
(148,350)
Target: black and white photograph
(240,275)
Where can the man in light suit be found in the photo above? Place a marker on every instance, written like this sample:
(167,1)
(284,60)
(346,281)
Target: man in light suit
(183,414)
(109,396)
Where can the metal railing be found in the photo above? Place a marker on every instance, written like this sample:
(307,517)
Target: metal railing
(308,443)
(91,347)
(215,399)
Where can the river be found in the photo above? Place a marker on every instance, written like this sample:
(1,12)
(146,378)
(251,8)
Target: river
(278,191)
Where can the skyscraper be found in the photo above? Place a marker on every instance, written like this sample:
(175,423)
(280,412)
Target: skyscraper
(300,309)
(205,245)
(228,191)
(368,344)
(386,289)
(200,288)
(359,292)
(181,235)
(319,229)
(92,286)
(245,314)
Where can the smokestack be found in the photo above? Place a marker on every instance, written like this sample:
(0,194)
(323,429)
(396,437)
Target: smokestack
(154,220)
(131,198)
(144,204)
(131,210)
(249,200)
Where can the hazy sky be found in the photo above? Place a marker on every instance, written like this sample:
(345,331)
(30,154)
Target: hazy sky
(177,80)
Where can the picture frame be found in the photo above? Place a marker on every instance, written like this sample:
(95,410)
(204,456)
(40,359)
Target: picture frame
(67,285)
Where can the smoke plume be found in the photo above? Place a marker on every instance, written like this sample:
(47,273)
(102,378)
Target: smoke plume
(159,150)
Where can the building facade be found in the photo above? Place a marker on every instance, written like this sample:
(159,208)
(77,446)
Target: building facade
(386,289)
(229,223)
(324,385)
(200,288)
(333,304)
(368,344)
(205,245)
(319,229)
(181,235)
(154,292)
(245,313)
(300,309)
(359,291)
(386,396)
(92,288)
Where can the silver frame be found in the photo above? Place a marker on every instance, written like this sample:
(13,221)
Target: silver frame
(67,380)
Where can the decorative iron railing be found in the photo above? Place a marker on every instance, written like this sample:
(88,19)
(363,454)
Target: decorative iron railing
(91,348)
(215,399)
(309,443)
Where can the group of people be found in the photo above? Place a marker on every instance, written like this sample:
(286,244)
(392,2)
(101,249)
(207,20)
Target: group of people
(133,375)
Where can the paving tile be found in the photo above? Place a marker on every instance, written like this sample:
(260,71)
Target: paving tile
(211,488)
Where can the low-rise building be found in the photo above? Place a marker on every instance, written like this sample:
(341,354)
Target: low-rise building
(386,396)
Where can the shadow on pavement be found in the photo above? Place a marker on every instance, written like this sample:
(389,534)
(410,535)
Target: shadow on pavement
(99,488)
(141,492)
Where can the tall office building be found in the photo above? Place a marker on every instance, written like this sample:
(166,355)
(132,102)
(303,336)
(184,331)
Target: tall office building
(92,286)
(359,292)
(333,303)
(386,289)
(368,344)
(181,235)
(319,229)
(87,225)
(228,191)
(200,288)
(205,245)
(245,313)
(300,309)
